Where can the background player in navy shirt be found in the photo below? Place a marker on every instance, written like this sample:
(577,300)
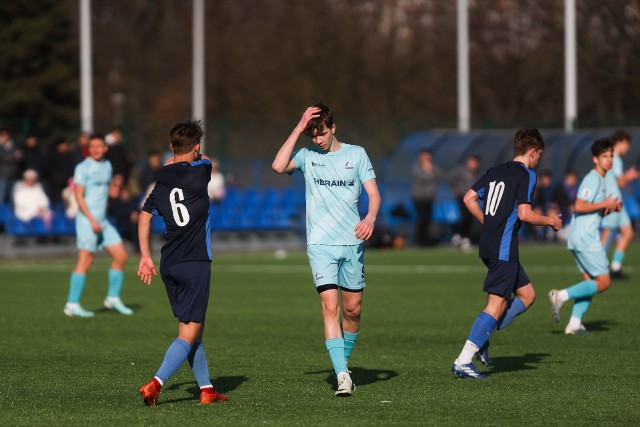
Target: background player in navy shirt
(506,191)
(180,197)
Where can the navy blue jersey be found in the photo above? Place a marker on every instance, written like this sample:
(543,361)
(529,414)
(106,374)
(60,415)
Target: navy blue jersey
(502,188)
(180,198)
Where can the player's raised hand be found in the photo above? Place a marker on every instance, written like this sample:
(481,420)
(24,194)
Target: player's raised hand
(146,270)
(612,204)
(310,113)
(364,229)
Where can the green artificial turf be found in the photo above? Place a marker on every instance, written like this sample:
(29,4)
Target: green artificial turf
(266,350)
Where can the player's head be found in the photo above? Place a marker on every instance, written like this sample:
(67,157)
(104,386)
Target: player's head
(97,146)
(186,136)
(323,121)
(621,142)
(602,152)
(528,142)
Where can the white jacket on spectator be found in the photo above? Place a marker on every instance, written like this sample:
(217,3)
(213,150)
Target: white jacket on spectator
(29,199)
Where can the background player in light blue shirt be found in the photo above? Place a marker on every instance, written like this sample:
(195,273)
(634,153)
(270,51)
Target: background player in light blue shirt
(93,231)
(616,180)
(594,200)
(335,174)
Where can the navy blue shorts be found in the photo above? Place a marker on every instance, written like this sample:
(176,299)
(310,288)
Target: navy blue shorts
(187,285)
(504,277)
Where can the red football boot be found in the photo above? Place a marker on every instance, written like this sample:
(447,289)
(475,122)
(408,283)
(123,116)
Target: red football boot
(150,392)
(209,395)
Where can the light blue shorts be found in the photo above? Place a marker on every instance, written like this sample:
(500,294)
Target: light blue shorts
(337,265)
(594,263)
(88,240)
(616,219)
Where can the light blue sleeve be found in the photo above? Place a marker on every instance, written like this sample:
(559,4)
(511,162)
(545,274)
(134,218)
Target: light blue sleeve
(365,169)
(80,177)
(299,157)
(588,189)
(617,168)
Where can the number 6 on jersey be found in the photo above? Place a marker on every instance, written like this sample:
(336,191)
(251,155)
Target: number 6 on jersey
(180,212)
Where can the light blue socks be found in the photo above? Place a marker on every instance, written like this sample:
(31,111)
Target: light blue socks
(515,307)
(580,307)
(349,341)
(76,287)
(336,349)
(583,289)
(174,358)
(116,278)
(481,329)
(198,362)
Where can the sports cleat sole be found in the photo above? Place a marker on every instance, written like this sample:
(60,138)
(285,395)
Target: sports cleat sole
(555,305)
(150,393)
(467,371)
(483,355)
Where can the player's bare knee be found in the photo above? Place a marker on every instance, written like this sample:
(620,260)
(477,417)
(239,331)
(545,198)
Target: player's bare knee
(330,310)
(352,312)
(603,282)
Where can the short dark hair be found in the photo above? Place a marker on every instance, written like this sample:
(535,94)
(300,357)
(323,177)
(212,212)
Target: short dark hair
(186,135)
(324,120)
(526,139)
(620,135)
(96,135)
(601,145)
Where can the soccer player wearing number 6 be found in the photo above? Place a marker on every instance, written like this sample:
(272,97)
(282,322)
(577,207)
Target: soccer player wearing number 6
(335,174)
(594,200)
(180,197)
(506,191)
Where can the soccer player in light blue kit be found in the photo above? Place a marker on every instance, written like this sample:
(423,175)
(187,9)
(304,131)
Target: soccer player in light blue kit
(93,231)
(592,203)
(335,174)
(616,180)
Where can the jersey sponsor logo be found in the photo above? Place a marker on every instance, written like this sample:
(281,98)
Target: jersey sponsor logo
(348,165)
(335,182)
(319,276)
(316,164)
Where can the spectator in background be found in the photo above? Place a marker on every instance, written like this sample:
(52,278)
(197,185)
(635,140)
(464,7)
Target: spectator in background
(122,207)
(461,178)
(118,155)
(32,155)
(59,168)
(69,200)
(81,147)
(30,201)
(563,197)
(149,170)
(425,176)
(544,192)
(9,164)
(216,187)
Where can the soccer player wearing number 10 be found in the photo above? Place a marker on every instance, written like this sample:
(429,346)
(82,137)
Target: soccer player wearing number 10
(180,197)
(506,191)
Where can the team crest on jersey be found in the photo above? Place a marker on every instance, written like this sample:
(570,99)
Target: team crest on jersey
(319,276)
(316,164)
(348,165)
(586,193)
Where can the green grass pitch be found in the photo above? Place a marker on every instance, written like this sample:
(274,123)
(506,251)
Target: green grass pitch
(266,350)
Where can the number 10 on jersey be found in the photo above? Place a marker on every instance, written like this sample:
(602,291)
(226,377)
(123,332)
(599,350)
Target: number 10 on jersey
(493,198)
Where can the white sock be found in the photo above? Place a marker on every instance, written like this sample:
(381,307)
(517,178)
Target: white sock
(159,380)
(574,323)
(563,296)
(113,299)
(616,266)
(466,356)
(72,305)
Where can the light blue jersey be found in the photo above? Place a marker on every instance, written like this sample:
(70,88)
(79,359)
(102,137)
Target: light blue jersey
(333,184)
(584,234)
(95,177)
(611,178)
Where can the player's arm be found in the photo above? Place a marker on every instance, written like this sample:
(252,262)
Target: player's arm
(630,175)
(610,204)
(82,205)
(364,229)
(146,268)
(528,215)
(283,162)
(470,200)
